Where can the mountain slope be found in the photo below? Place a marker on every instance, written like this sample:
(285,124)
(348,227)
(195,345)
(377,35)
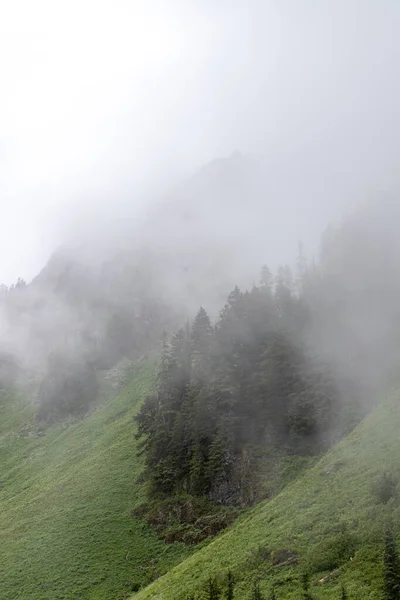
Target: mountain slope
(66,497)
(325,517)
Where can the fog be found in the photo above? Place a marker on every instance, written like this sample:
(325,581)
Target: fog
(105,106)
(154,156)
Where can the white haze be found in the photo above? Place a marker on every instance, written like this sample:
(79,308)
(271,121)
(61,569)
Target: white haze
(106,104)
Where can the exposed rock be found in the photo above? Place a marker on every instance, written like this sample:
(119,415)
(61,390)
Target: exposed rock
(282,557)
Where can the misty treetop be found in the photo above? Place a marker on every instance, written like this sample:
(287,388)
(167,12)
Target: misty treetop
(224,391)
(342,308)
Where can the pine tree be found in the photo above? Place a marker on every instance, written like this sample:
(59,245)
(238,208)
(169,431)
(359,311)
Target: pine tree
(222,390)
(273,595)
(230,586)
(344,595)
(201,328)
(266,278)
(213,591)
(256,593)
(391,568)
(221,462)
(201,340)
(196,470)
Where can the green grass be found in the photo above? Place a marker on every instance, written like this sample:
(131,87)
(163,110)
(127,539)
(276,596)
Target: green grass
(327,516)
(66,529)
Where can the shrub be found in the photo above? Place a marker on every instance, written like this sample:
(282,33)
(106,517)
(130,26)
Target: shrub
(258,556)
(185,518)
(333,552)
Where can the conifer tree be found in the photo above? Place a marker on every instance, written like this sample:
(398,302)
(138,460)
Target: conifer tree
(221,463)
(266,278)
(196,470)
(213,591)
(256,593)
(201,340)
(391,568)
(230,590)
(222,390)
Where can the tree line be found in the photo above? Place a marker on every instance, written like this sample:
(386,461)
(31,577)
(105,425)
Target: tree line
(225,391)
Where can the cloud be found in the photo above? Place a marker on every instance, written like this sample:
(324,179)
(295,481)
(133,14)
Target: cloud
(104,102)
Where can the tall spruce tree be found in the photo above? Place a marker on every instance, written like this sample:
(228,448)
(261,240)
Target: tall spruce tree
(230,587)
(391,568)
(256,592)
(213,591)
(266,278)
(201,342)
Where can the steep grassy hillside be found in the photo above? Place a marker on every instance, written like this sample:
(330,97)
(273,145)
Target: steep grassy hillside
(66,529)
(330,518)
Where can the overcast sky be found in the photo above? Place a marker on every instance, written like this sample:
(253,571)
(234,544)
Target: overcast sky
(101,100)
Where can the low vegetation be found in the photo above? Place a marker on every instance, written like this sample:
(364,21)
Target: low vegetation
(186,519)
(67,493)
